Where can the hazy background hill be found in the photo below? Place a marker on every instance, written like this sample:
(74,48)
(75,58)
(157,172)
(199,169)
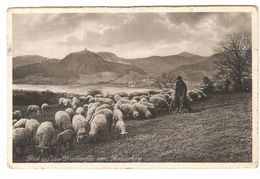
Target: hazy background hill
(88,67)
(30,59)
(156,65)
(195,72)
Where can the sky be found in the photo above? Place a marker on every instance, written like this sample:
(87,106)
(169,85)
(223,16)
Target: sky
(128,35)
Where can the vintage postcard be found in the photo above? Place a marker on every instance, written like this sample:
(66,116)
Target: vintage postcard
(132,87)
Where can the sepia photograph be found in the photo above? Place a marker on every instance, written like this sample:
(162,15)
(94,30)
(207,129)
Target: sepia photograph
(135,87)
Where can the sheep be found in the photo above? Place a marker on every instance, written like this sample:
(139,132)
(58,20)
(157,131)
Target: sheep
(118,122)
(63,138)
(92,109)
(117,115)
(79,125)
(120,102)
(14,121)
(98,126)
(83,99)
(120,126)
(133,101)
(129,111)
(109,117)
(80,110)
(70,112)
(85,106)
(98,96)
(75,103)
(61,101)
(32,125)
(75,98)
(21,123)
(137,98)
(143,111)
(21,139)
(45,108)
(91,100)
(33,109)
(105,101)
(159,102)
(103,106)
(117,97)
(88,98)
(67,102)
(62,120)
(17,114)
(145,96)
(44,135)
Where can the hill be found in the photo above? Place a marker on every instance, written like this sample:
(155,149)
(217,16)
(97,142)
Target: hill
(30,59)
(195,72)
(156,65)
(186,55)
(82,67)
(111,57)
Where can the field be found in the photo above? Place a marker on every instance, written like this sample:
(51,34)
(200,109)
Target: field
(218,130)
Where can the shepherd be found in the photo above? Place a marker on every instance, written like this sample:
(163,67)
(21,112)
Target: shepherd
(180,99)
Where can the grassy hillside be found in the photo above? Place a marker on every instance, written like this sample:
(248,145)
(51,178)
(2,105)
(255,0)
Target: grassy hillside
(219,130)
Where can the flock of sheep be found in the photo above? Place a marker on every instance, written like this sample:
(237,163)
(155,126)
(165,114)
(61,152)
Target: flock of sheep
(88,118)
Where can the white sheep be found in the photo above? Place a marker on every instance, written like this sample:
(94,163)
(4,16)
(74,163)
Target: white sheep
(75,104)
(159,102)
(21,139)
(83,99)
(67,102)
(75,98)
(91,110)
(44,135)
(98,126)
(33,110)
(105,101)
(120,102)
(98,96)
(88,98)
(129,111)
(120,126)
(103,106)
(17,114)
(61,101)
(63,138)
(118,122)
(137,98)
(62,120)
(80,125)
(32,125)
(21,123)
(80,110)
(109,116)
(143,111)
(133,101)
(45,108)
(70,112)
(14,121)
(85,106)
(117,115)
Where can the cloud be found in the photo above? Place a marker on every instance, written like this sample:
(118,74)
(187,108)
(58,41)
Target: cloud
(128,35)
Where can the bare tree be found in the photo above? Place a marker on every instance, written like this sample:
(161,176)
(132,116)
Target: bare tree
(165,80)
(234,59)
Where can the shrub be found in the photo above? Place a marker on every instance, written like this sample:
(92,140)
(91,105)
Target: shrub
(93,92)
